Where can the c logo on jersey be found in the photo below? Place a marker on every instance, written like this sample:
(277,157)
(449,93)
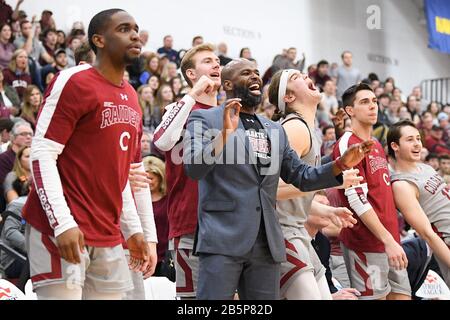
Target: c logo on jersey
(386,179)
(123,136)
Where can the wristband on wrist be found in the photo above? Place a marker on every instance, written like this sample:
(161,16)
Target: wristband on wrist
(340,164)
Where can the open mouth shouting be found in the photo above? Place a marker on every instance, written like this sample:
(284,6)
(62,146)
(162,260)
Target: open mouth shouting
(255,89)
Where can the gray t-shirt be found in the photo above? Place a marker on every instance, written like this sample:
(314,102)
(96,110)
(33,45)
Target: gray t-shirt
(346,78)
(294,212)
(37,49)
(434,197)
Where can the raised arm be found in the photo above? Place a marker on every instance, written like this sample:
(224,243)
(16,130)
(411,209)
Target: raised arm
(406,200)
(170,130)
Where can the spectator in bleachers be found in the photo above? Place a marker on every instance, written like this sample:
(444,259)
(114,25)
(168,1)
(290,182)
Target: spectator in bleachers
(17,75)
(164,97)
(246,54)
(49,41)
(144,37)
(434,142)
(47,22)
(403,113)
(333,72)
(434,108)
(222,53)
(32,100)
(73,44)
(444,167)
(61,39)
(146,142)
(167,49)
(392,110)
(49,71)
(329,104)
(154,83)
(328,140)
(414,108)
(20,171)
(7,48)
(21,134)
(156,171)
(28,40)
(5,133)
(423,103)
(443,122)
(426,124)
(388,88)
(177,85)
(397,93)
(383,104)
(151,67)
(84,54)
(320,76)
(288,61)
(169,71)
(7,15)
(13,233)
(378,91)
(432,159)
(197,40)
(151,115)
(347,75)
(9,99)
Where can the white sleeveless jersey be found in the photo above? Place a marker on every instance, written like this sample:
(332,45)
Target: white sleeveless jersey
(434,197)
(294,212)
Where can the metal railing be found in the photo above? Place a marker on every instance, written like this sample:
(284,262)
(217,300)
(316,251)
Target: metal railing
(436,90)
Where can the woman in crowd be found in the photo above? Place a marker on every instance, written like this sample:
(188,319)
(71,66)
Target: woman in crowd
(6,47)
(32,100)
(17,75)
(21,171)
(151,68)
(156,171)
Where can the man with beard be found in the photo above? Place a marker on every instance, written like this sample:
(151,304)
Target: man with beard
(82,202)
(238,158)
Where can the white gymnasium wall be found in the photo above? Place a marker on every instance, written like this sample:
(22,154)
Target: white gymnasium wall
(320,28)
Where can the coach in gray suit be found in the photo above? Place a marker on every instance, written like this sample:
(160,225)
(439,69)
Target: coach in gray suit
(238,158)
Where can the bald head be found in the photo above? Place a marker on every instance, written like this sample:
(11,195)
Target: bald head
(230,69)
(241,79)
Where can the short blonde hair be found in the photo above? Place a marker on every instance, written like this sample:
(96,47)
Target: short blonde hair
(157,167)
(188,59)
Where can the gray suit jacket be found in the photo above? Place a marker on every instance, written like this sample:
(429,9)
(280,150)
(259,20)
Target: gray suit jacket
(232,197)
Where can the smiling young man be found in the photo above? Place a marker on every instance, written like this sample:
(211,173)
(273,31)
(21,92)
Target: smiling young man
(421,194)
(201,69)
(238,158)
(81,202)
(375,261)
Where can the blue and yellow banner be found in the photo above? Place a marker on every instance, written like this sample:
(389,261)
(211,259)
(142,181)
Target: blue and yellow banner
(438,20)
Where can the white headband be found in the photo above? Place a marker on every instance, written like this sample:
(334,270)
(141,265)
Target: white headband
(285,75)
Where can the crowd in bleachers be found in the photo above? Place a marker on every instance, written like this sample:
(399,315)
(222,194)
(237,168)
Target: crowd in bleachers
(33,50)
